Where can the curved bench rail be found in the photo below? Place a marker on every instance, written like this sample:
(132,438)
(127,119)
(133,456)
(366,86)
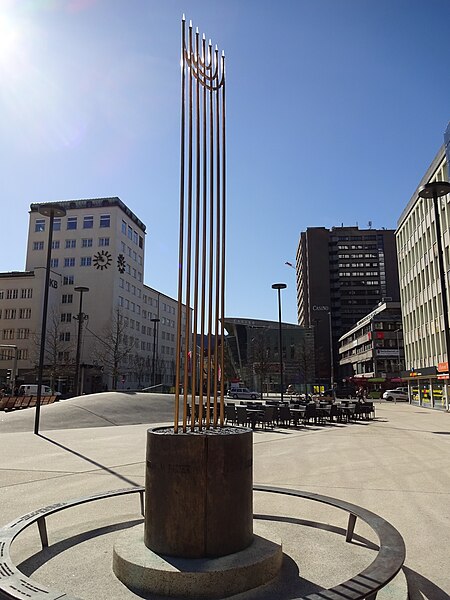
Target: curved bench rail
(380,572)
(13,583)
(389,561)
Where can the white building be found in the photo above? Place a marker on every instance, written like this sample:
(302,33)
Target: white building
(98,244)
(420,290)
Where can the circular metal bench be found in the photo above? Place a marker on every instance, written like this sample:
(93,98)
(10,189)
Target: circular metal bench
(365,585)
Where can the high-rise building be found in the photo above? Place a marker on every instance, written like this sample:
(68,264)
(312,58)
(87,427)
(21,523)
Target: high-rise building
(342,274)
(128,328)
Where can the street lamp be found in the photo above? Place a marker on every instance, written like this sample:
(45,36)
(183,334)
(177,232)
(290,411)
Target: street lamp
(80,317)
(155,321)
(435,190)
(279,287)
(52,211)
(330,327)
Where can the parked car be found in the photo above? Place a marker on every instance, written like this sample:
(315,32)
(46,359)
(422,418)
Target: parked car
(242,392)
(396,395)
(30,389)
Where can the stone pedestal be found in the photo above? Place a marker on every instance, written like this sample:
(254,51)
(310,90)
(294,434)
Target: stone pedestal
(199,496)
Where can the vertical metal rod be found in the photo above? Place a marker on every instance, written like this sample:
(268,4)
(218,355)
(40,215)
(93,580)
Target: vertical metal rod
(350,527)
(218,243)
(44,324)
(187,336)
(181,241)
(43,532)
(222,320)
(204,229)
(197,237)
(211,241)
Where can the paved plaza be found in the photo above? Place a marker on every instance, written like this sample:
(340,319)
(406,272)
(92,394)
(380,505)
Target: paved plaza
(396,466)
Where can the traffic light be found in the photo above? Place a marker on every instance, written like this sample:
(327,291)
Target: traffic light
(8,374)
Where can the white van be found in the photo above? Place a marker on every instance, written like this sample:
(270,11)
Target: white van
(30,389)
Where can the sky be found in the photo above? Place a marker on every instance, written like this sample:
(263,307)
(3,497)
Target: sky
(335,109)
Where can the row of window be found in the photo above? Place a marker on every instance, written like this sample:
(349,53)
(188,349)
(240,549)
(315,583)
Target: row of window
(22,354)
(70,243)
(132,234)
(13,294)
(72,223)
(85,261)
(14,313)
(11,334)
(154,302)
(131,253)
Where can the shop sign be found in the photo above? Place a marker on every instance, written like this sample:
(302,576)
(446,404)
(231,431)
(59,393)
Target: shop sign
(388,352)
(442,367)
(320,308)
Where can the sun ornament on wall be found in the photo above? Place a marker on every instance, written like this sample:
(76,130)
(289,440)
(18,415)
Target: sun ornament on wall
(121,263)
(102,260)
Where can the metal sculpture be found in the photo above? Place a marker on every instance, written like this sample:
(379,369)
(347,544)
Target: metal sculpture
(201,275)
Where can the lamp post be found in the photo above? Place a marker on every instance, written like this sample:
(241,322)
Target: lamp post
(80,317)
(397,331)
(331,354)
(279,287)
(435,190)
(52,211)
(155,322)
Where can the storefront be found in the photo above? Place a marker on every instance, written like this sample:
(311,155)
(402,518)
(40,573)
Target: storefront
(428,386)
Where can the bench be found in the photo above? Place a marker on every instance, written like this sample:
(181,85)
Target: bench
(364,586)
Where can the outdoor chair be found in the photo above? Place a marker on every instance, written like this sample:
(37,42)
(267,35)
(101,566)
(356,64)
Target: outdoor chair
(335,411)
(310,413)
(284,415)
(267,416)
(230,413)
(241,415)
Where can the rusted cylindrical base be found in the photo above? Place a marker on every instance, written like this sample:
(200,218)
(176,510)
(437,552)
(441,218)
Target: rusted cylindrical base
(199,496)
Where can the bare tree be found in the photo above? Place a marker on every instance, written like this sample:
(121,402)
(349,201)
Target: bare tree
(59,352)
(305,361)
(260,356)
(113,347)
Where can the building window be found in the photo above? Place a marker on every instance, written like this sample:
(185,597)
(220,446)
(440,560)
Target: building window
(63,357)
(66,317)
(8,334)
(68,280)
(71,222)
(88,222)
(69,262)
(12,294)
(71,243)
(103,241)
(38,245)
(67,298)
(64,336)
(130,233)
(141,241)
(86,243)
(105,220)
(54,262)
(22,354)
(57,224)
(25,313)
(85,261)
(55,245)
(124,227)
(10,313)
(26,293)
(39,225)
(23,334)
